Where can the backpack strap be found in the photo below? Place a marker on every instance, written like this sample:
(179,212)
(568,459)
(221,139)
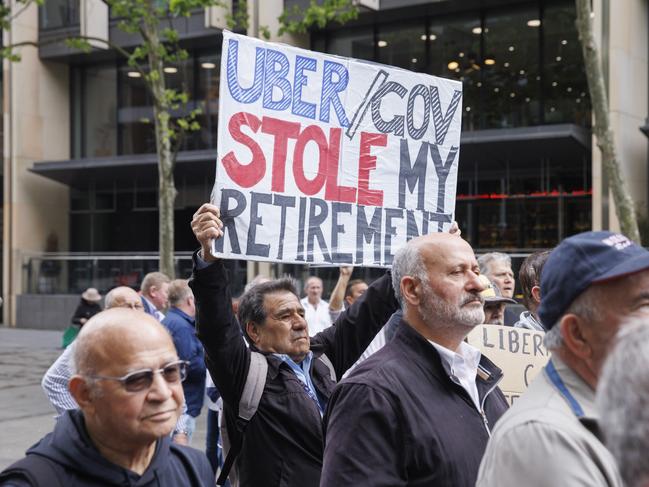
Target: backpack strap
(325,360)
(248,404)
(37,469)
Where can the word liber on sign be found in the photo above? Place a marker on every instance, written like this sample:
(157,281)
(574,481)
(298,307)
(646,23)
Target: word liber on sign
(328,160)
(518,352)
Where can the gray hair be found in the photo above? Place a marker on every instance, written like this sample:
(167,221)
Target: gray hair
(586,306)
(484,261)
(251,304)
(153,279)
(407,262)
(179,291)
(623,401)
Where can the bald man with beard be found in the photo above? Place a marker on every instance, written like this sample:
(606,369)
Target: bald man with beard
(128,385)
(419,411)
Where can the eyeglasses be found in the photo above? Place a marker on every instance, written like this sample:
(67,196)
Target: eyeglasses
(140,380)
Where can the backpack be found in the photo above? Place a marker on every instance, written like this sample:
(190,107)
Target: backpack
(38,471)
(248,404)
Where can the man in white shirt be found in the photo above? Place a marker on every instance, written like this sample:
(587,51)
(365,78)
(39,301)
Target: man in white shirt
(419,411)
(316,309)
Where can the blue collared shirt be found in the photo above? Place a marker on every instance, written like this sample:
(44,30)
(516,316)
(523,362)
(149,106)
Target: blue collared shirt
(302,371)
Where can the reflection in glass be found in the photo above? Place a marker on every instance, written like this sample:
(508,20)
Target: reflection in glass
(511,83)
(454,52)
(401,45)
(55,14)
(565,86)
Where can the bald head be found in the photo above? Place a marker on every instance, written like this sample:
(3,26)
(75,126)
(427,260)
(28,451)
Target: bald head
(115,333)
(123,297)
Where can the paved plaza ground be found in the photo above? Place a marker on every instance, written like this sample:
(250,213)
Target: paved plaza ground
(25,413)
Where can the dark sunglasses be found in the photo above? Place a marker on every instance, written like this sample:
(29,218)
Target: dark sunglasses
(140,380)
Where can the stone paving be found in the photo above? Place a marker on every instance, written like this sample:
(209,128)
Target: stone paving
(25,413)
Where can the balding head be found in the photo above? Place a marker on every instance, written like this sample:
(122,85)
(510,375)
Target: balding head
(119,417)
(123,297)
(435,277)
(112,332)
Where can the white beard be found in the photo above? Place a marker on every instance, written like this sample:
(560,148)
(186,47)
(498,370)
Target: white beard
(439,313)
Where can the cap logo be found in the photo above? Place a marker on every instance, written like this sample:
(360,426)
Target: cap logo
(618,241)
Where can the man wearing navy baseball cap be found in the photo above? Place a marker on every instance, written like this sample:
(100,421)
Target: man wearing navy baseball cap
(590,284)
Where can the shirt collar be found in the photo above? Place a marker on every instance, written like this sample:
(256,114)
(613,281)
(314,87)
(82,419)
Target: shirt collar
(466,354)
(304,366)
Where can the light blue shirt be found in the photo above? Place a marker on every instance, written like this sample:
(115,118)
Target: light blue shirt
(302,372)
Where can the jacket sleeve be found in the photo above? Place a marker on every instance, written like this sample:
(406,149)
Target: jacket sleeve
(227,357)
(364,446)
(345,341)
(536,454)
(189,350)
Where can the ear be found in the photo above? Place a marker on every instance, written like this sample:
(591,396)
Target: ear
(81,392)
(572,331)
(536,294)
(253,331)
(410,290)
(348,300)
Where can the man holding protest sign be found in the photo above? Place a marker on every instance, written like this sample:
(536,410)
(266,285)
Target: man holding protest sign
(283,442)
(419,411)
(550,436)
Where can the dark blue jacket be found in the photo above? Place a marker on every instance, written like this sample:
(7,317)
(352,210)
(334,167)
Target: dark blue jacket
(73,460)
(189,348)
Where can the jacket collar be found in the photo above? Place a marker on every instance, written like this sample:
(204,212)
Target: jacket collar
(488,373)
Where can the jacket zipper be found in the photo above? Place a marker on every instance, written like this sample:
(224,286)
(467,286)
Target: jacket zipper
(482,413)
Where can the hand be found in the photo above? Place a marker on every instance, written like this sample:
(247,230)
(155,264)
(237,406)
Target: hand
(207,226)
(180,439)
(346,270)
(455,229)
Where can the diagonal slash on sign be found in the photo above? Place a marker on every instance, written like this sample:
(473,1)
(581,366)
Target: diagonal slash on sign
(379,80)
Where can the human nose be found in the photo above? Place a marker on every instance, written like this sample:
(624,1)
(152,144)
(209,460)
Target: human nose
(160,389)
(474,283)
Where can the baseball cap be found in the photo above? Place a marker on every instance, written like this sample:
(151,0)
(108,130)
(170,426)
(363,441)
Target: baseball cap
(491,293)
(581,260)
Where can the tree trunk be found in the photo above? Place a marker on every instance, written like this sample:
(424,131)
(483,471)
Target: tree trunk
(602,128)
(166,158)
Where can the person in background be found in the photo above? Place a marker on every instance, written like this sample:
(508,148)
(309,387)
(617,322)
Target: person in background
(494,303)
(623,399)
(316,309)
(180,323)
(529,277)
(345,292)
(498,268)
(87,308)
(155,294)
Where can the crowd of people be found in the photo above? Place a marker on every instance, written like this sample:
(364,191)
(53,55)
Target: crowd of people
(377,387)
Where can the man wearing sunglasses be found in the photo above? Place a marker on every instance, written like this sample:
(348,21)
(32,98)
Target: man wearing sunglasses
(128,385)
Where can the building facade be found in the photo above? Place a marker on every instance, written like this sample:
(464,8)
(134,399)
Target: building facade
(80,174)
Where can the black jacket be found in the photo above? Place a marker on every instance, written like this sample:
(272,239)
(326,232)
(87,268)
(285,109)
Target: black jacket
(283,443)
(86,309)
(399,419)
(74,461)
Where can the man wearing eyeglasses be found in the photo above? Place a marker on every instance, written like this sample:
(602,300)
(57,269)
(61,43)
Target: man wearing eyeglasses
(128,388)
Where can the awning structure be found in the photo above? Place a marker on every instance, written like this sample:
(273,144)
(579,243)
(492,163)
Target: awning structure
(526,144)
(518,146)
(77,173)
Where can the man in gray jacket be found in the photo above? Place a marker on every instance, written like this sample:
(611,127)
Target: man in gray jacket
(551,436)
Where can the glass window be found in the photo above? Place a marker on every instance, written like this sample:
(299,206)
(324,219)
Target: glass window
(511,77)
(357,43)
(207,96)
(454,52)
(401,45)
(565,86)
(55,14)
(100,111)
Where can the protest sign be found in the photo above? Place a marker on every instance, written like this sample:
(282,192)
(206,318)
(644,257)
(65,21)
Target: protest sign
(518,352)
(329,160)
